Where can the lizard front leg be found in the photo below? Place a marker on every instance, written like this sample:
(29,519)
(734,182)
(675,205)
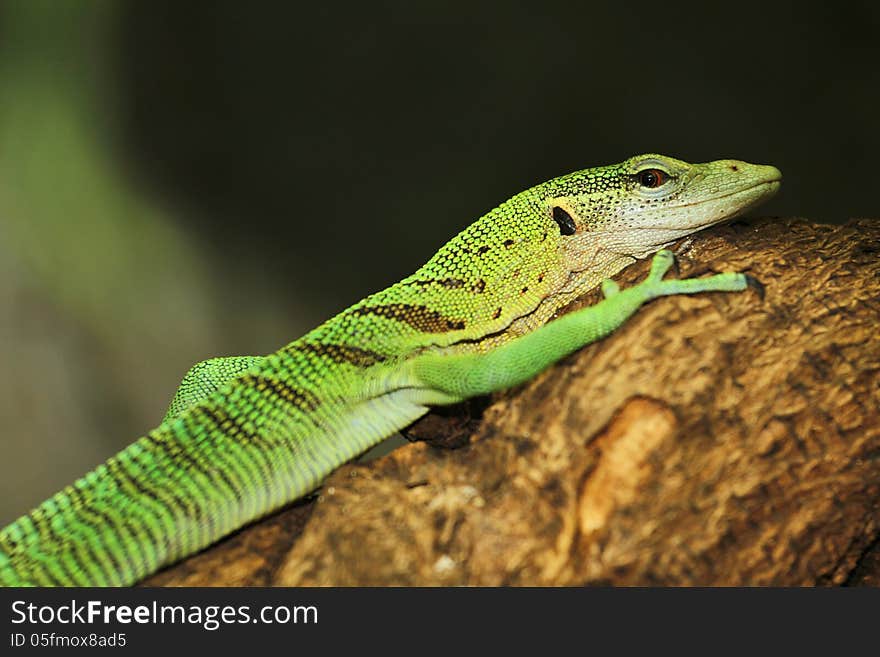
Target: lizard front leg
(449,378)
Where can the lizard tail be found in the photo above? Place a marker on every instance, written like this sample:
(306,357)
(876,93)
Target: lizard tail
(167,495)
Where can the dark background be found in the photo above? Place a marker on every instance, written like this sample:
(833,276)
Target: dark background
(309,131)
(185,180)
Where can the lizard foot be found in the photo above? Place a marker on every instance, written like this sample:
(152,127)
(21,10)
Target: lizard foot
(655,286)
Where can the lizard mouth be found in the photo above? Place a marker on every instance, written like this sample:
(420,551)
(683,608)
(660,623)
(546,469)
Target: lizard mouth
(758,192)
(772,186)
(678,222)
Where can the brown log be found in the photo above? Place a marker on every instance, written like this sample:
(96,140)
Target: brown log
(716,439)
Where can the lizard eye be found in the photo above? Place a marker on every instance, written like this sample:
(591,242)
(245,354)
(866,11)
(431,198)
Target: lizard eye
(564,221)
(652,178)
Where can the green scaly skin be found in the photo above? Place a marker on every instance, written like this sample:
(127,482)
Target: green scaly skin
(247,435)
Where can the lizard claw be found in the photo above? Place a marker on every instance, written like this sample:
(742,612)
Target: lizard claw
(756,285)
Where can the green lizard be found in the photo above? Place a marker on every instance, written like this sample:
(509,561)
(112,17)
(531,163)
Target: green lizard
(246,435)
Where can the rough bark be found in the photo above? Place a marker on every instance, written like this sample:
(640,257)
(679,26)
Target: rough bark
(713,440)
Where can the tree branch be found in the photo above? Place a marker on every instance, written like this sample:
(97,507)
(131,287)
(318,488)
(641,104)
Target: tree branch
(714,439)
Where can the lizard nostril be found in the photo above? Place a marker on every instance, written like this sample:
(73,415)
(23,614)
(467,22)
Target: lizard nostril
(733,167)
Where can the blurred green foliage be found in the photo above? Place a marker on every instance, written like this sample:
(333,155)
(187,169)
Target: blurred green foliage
(105,297)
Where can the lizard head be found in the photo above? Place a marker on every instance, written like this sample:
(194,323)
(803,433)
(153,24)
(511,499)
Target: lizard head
(607,217)
(647,202)
(518,264)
